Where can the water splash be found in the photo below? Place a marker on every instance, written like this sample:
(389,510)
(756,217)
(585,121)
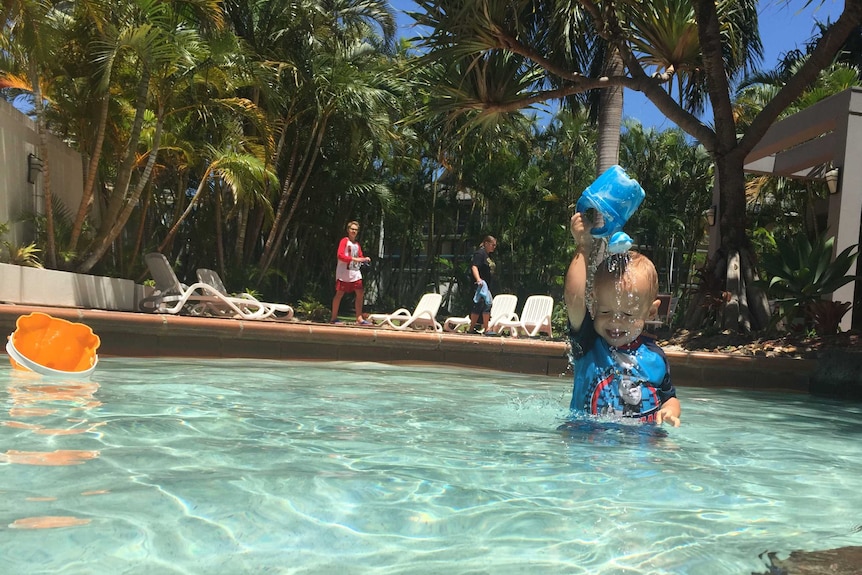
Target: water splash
(597,255)
(617,264)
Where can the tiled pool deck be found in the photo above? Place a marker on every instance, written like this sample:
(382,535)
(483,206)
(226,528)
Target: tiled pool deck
(151,335)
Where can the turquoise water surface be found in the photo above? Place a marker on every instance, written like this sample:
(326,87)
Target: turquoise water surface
(249,466)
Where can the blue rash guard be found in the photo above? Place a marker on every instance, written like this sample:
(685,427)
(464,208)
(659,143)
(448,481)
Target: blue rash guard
(631,381)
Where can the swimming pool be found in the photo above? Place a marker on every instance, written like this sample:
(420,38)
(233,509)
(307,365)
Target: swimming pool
(245,466)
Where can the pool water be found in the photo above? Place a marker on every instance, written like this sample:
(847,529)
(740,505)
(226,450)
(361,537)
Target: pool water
(249,466)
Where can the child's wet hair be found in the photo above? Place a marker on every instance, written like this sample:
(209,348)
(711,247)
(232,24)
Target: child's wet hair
(617,268)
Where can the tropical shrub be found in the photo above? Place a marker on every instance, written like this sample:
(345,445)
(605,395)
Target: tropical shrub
(703,308)
(312,310)
(825,315)
(19,255)
(560,321)
(800,273)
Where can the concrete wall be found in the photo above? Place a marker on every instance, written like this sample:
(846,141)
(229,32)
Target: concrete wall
(18,139)
(33,286)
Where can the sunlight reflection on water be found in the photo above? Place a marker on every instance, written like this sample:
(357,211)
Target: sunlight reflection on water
(235,466)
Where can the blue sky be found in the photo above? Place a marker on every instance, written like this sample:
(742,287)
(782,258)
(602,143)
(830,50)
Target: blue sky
(783,27)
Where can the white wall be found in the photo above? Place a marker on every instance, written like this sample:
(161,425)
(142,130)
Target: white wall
(32,286)
(17,196)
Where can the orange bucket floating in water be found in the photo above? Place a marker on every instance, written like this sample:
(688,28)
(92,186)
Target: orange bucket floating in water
(53,346)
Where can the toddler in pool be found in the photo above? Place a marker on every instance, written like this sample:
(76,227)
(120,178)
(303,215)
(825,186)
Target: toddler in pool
(620,372)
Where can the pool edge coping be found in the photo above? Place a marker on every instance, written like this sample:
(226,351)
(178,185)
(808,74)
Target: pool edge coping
(133,334)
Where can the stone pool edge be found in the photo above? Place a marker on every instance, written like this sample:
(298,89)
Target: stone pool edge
(153,335)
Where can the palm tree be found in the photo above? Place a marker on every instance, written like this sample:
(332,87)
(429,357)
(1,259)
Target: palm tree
(337,80)
(726,44)
(240,172)
(169,55)
(144,90)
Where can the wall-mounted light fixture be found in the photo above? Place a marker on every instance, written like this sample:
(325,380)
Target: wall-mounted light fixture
(710,215)
(832,177)
(34,166)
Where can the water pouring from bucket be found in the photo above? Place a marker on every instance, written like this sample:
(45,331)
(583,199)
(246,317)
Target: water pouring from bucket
(52,346)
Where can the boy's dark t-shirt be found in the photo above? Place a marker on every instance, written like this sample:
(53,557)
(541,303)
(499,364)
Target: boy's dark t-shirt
(486,267)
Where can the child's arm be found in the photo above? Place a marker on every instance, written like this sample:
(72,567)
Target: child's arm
(576,276)
(669,412)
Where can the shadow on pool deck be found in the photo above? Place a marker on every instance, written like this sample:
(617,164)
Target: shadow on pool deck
(152,335)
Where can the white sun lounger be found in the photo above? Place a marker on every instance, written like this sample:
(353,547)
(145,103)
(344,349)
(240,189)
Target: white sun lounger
(252,304)
(666,309)
(174,297)
(423,317)
(535,317)
(502,308)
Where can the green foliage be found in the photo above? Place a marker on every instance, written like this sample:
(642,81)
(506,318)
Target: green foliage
(763,241)
(253,293)
(800,273)
(263,287)
(63,220)
(711,294)
(678,178)
(312,310)
(19,255)
(560,321)
(446,266)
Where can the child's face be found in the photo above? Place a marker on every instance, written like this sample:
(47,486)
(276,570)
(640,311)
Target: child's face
(621,308)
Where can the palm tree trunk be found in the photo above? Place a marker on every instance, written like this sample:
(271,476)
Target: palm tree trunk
(255,230)
(287,186)
(293,188)
(241,230)
(219,232)
(610,117)
(105,239)
(745,306)
(124,175)
(110,218)
(92,171)
(172,232)
(139,237)
(300,189)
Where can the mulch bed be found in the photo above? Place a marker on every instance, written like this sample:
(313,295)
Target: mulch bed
(797,345)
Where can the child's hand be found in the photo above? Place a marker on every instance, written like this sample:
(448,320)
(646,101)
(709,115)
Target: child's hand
(667,414)
(580,227)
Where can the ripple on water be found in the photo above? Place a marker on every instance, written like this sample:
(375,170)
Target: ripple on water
(253,466)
